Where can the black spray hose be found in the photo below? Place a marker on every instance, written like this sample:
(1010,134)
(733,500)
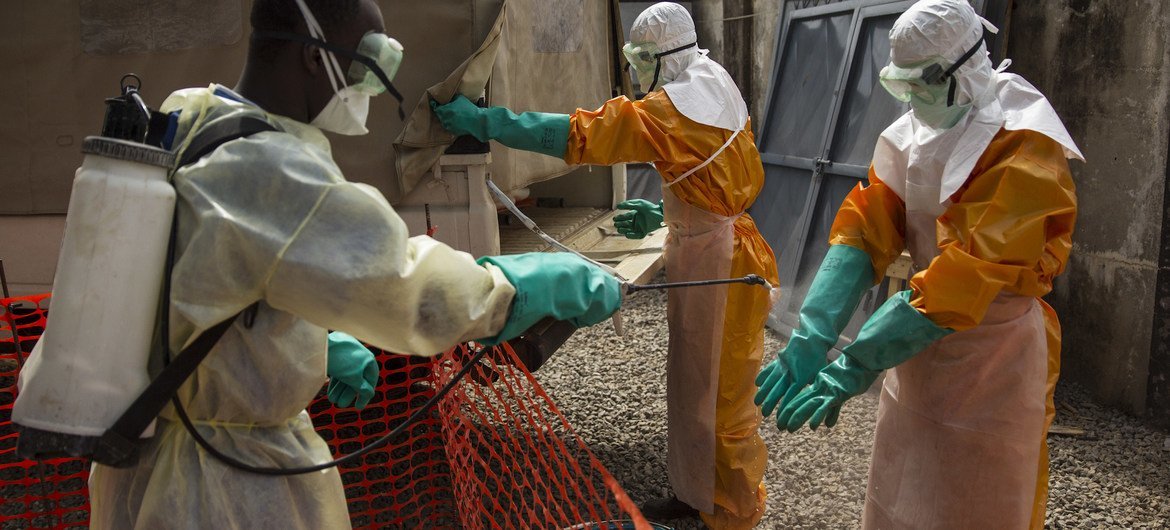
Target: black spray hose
(352,457)
(751,279)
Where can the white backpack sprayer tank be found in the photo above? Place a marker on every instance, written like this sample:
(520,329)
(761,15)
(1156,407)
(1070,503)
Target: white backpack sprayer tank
(91,362)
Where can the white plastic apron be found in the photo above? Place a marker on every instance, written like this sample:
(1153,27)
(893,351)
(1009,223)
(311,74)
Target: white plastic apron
(698,246)
(958,430)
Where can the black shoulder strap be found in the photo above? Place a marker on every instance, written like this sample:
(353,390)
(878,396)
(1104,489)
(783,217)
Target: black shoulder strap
(118,446)
(221,132)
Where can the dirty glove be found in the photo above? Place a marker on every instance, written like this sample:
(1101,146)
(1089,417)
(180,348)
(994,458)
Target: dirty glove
(895,333)
(558,285)
(644,217)
(845,273)
(539,132)
(352,370)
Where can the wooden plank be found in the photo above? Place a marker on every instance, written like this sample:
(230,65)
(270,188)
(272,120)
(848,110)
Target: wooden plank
(644,258)
(618,255)
(560,223)
(899,273)
(1065,431)
(589,231)
(641,268)
(901,267)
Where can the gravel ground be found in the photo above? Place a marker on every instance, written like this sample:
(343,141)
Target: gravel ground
(613,391)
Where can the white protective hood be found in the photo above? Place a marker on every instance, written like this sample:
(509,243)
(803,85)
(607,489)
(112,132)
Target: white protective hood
(699,87)
(705,93)
(947,28)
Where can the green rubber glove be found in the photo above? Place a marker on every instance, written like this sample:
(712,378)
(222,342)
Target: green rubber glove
(558,285)
(845,274)
(895,333)
(539,132)
(352,370)
(644,217)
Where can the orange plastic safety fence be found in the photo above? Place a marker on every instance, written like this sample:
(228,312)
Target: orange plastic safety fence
(407,483)
(516,461)
(494,454)
(46,494)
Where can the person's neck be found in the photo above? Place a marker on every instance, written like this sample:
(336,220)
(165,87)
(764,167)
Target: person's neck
(264,88)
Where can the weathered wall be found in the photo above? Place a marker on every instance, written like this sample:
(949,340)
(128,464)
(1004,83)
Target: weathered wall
(708,16)
(1103,64)
(1158,402)
(765,33)
(741,35)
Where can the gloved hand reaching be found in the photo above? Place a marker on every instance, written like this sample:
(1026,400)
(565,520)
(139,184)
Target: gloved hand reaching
(644,217)
(845,273)
(538,132)
(352,370)
(558,285)
(896,332)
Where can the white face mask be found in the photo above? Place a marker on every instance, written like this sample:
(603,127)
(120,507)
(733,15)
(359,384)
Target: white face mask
(345,113)
(349,107)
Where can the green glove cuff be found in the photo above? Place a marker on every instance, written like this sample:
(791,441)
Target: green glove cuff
(557,285)
(845,274)
(539,132)
(895,333)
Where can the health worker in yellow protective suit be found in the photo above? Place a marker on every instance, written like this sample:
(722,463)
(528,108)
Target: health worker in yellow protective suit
(693,125)
(269,220)
(974,180)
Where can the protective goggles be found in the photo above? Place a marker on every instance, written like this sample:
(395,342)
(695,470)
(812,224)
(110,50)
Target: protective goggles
(386,54)
(373,65)
(907,83)
(925,80)
(643,56)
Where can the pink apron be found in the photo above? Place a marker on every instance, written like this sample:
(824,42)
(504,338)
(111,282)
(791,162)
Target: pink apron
(956,444)
(698,247)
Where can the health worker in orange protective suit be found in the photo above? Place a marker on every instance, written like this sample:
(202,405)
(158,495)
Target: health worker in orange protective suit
(693,126)
(974,180)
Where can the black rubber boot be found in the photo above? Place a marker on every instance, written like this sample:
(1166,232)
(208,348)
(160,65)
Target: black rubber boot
(668,509)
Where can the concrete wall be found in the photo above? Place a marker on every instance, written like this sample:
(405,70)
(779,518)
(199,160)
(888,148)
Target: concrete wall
(764,36)
(741,35)
(28,246)
(708,16)
(1104,65)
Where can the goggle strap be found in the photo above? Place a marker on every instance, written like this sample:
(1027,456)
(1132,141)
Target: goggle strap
(950,72)
(658,63)
(676,50)
(657,70)
(966,55)
(365,61)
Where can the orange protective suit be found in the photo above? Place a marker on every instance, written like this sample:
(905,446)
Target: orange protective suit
(716,333)
(1006,233)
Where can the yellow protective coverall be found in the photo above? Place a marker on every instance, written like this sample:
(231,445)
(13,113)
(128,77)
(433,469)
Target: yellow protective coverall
(714,442)
(270,218)
(1007,231)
